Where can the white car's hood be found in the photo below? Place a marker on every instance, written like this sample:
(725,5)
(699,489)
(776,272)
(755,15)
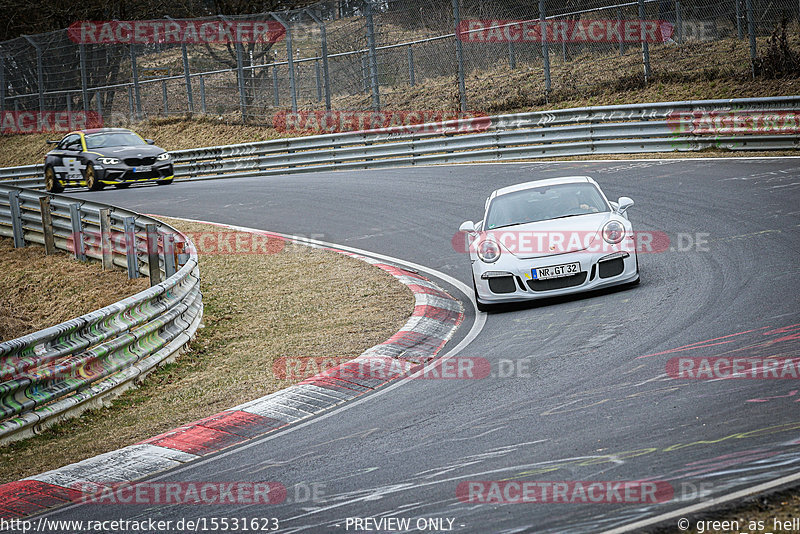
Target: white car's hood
(551,237)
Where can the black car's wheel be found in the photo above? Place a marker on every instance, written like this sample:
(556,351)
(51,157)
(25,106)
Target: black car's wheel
(91,178)
(164,182)
(481,307)
(51,183)
(122,186)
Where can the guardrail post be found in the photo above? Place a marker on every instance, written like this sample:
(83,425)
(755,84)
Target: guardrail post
(462,90)
(47,226)
(645,45)
(751,32)
(77,231)
(136,92)
(84,92)
(373,60)
(164,96)
(169,255)
(16,219)
(39,70)
(105,239)
(410,66)
(187,77)
(202,95)
(131,253)
(545,48)
(678,21)
(324,43)
(289,59)
(152,254)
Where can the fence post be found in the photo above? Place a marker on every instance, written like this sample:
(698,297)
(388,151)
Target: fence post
(751,32)
(39,70)
(152,254)
(289,59)
(105,239)
(16,219)
(410,66)
(47,226)
(545,48)
(136,93)
(462,89)
(68,101)
(202,94)
(130,247)
(275,85)
(678,21)
(2,84)
(373,60)
(738,17)
(77,231)
(84,91)
(319,81)
(164,96)
(169,255)
(189,96)
(622,40)
(99,98)
(323,34)
(130,103)
(645,46)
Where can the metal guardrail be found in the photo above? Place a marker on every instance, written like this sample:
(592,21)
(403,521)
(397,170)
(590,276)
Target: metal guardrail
(620,129)
(61,370)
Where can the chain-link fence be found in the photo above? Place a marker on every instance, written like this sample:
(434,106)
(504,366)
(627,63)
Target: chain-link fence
(353,55)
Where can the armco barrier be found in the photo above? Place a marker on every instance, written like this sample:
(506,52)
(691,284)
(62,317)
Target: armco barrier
(620,129)
(59,371)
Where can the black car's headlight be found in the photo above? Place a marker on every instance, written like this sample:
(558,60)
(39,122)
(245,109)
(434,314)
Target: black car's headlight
(108,161)
(163,157)
(613,232)
(489,251)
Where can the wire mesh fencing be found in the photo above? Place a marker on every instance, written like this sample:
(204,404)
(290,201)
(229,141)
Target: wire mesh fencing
(428,58)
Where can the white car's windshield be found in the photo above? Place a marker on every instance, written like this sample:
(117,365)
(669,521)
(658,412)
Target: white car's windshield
(100,140)
(545,203)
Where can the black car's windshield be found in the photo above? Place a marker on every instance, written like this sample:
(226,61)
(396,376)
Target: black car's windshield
(100,140)
(545,203)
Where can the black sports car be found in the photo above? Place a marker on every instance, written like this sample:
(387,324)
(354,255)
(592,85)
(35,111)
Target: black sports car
(105,156)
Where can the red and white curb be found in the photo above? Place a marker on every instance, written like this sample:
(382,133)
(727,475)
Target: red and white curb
(434,321)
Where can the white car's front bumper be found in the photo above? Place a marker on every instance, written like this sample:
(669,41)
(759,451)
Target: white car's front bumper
(509,278)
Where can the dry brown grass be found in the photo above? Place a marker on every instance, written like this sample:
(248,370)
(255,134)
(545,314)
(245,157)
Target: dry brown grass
(37,291)
(299,302)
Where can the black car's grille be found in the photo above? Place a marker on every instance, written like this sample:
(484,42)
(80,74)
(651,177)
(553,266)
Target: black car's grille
(558,283)
(134,162)
(141,175)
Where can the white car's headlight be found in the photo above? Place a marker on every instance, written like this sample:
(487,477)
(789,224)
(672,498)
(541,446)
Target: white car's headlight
(488,251)
(613,232)
(108,161)
(163,157)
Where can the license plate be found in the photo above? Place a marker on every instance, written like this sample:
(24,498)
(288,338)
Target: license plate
(143,168)
(555,271)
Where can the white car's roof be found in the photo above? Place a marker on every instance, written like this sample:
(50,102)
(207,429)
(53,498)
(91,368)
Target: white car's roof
(542,183)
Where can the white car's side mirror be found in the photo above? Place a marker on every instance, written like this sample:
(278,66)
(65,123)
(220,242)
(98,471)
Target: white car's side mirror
(467,226)
(623,204)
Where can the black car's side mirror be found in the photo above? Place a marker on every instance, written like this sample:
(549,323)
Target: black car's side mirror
(149,141)
(51,142)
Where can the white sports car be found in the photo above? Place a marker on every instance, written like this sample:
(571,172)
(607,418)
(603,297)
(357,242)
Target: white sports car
(548,238)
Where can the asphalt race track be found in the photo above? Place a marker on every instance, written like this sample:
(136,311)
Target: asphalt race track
(592,402)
